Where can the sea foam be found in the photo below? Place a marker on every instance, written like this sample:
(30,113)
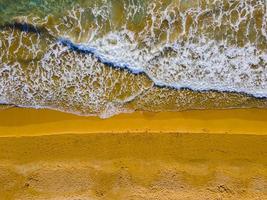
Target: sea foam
(206,65)
(106,57)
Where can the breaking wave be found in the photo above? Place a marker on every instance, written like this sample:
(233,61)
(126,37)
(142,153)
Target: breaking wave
(105,57)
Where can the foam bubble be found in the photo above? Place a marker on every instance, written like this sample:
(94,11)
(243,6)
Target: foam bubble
(74,62)
(206,65)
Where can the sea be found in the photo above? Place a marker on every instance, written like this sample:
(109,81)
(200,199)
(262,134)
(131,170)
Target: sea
(105,57)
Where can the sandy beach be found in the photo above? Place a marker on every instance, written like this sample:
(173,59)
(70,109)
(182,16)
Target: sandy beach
(133,100)
(219,154)
(31,122)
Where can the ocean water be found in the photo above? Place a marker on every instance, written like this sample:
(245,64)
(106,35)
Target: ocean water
(104,57)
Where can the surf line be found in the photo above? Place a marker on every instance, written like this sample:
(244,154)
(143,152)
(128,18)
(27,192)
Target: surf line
(79,48)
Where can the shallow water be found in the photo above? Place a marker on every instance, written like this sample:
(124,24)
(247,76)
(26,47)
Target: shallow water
(105,57)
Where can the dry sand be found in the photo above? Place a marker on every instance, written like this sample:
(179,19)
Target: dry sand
(189,155)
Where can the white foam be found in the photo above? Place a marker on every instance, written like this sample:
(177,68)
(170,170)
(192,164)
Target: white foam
(206,65)
(60,79)
(2,101)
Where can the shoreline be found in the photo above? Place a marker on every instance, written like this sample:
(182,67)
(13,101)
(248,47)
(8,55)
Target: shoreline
(17,122)
(209,154)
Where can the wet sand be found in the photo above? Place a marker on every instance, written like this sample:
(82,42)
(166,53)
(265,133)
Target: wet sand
(31,122)
(187,155)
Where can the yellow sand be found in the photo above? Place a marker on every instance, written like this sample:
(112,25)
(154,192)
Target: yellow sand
(30,122)
(117,159)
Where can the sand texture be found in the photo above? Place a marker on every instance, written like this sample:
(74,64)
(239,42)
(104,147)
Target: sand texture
(134,167)
(202,155)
